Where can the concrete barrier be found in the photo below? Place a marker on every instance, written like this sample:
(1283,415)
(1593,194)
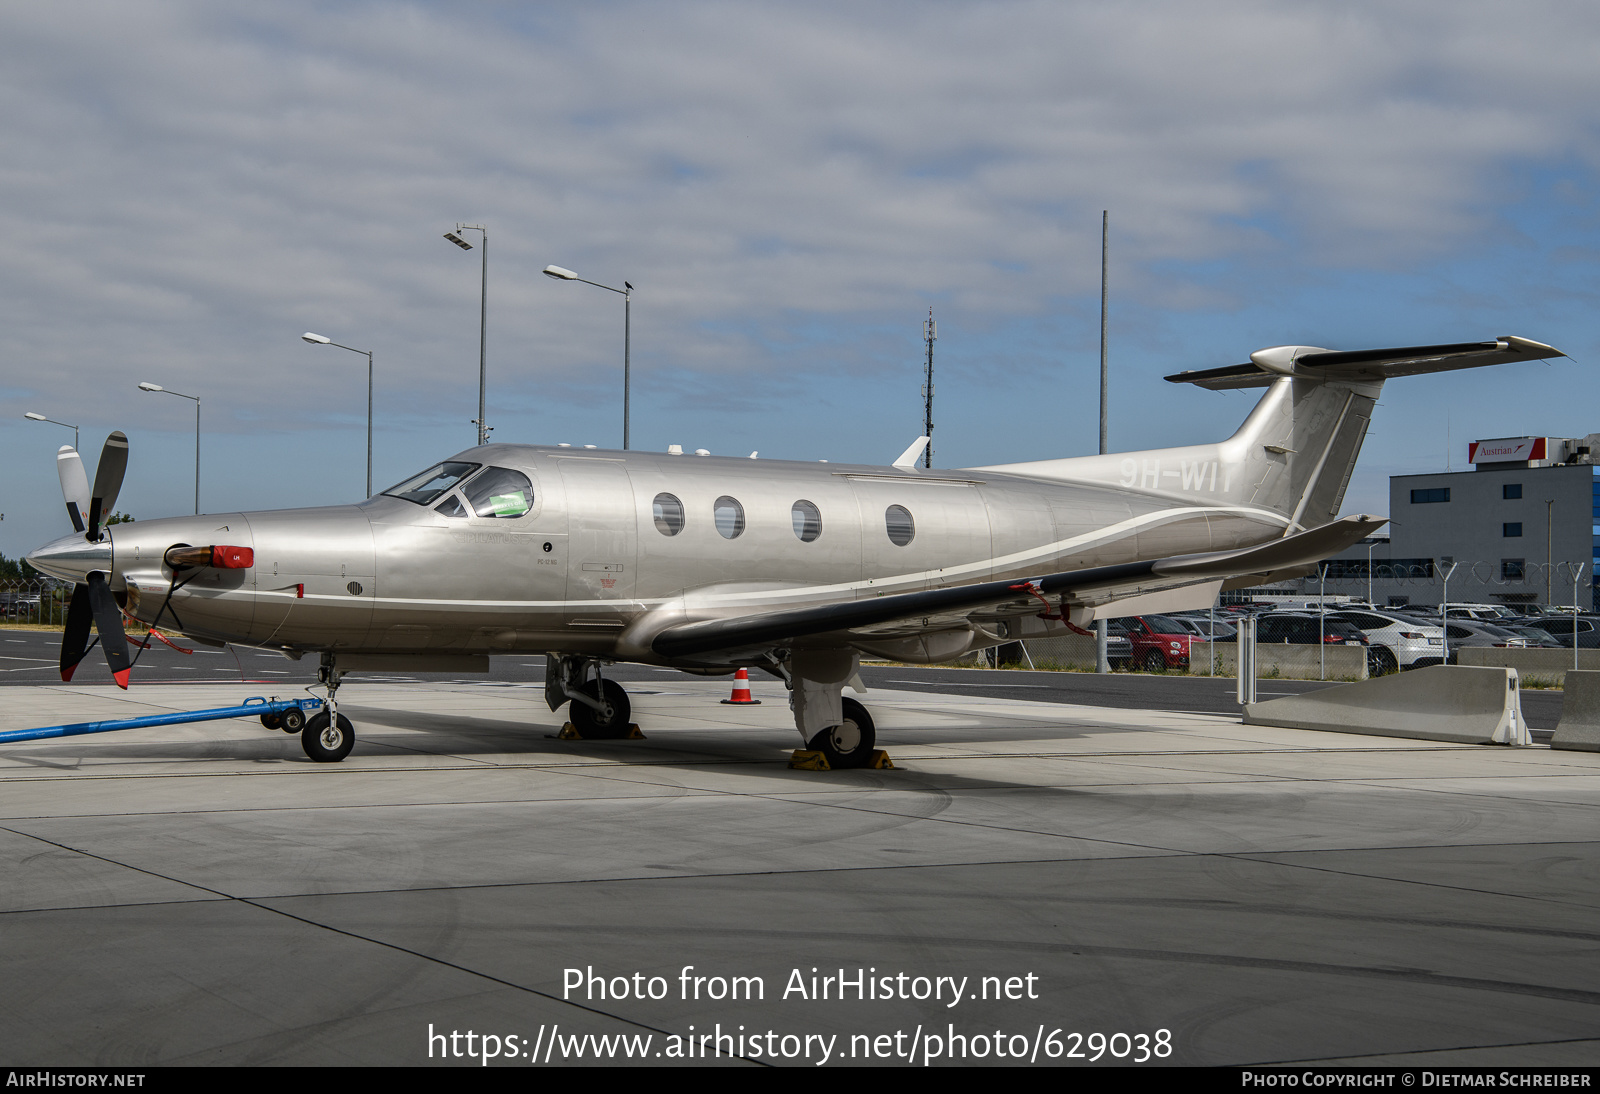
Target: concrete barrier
(1285,661)
(1547,667)
(1579,728)
(1455,703)
(1275,661)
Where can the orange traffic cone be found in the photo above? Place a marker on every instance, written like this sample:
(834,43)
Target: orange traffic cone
(741,690)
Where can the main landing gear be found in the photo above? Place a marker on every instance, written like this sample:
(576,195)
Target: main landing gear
(839,728)
(850,743)
(600,708)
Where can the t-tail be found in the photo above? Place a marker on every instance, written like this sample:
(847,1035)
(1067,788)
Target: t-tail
(1294,454)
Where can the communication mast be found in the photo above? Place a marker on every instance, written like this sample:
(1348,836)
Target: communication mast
(930,334)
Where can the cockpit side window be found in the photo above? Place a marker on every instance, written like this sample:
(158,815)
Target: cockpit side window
(500,492)
(424,489)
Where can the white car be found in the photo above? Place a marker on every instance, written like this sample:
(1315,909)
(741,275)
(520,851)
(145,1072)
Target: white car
(1409,643)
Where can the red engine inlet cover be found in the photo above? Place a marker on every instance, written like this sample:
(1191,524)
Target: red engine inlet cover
(233,558)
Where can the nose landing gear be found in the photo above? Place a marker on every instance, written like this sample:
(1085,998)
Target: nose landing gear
(328,735)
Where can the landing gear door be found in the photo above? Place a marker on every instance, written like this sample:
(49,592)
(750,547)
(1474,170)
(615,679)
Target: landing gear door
(602,544)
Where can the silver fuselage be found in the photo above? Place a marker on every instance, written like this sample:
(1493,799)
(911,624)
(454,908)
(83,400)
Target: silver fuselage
(587,565)
(586,570)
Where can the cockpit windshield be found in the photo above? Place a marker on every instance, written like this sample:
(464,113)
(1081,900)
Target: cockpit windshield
(500,492)
(426,487)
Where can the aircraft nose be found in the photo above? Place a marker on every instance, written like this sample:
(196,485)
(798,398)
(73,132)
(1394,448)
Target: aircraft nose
(72,558)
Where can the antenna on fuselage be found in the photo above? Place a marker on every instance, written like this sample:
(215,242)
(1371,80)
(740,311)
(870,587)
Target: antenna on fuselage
(930,334)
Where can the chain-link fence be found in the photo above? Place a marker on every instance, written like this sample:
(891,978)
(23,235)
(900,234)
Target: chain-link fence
(1509,581)
(42,601)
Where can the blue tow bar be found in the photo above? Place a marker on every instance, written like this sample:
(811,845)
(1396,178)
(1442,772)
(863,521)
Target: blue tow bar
(255,705)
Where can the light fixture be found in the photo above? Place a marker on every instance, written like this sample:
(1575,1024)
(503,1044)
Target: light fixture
(319,340)
(561,273)
(145,385)
(482,420)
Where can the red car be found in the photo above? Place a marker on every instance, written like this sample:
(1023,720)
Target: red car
(1158,642)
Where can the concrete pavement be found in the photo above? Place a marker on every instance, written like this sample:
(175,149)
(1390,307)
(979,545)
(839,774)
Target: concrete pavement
(203,894)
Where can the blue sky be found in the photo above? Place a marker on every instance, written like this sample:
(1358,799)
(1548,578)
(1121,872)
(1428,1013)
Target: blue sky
(187,187)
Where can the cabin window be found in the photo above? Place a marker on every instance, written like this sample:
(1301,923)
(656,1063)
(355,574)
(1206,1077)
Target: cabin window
(500,492)
(668,513)
(424,489)
(729,517)
(899,524)
(807,521)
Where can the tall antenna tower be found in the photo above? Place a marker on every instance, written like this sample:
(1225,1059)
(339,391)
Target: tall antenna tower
(930,334)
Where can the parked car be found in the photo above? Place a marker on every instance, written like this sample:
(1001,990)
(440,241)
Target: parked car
(1399,642)
(14,605)
(1307,628)
(1538,637)
(1563,627)
(1471,632)
(1158,641)
(1119,649)
(1203,625)
(1489,613)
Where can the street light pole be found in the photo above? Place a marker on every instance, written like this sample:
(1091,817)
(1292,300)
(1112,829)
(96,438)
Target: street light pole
(1549,554)
(196,399)
(1102,662)
(626,292)
(318,340)
(483,324)
(31,416)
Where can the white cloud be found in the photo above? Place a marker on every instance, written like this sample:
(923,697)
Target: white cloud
(187,186)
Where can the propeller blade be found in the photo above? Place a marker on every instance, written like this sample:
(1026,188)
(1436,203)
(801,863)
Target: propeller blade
(74,486)
(107,481)
(108,621)
(75,643)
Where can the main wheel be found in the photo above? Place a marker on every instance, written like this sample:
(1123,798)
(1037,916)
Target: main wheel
(848,744)
(326,741)
(594,726)
(1154,662)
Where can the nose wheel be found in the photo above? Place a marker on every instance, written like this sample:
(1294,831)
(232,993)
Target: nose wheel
(327,740)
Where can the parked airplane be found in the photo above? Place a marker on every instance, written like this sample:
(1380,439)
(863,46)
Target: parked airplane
(708,564)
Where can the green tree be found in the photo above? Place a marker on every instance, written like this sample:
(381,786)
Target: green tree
(14,569)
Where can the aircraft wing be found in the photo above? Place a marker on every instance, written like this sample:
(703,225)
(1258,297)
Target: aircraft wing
(687,640)
(1372,364)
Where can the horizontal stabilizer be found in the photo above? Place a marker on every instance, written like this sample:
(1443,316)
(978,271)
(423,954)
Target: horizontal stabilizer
(1311,362)
(770,629)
